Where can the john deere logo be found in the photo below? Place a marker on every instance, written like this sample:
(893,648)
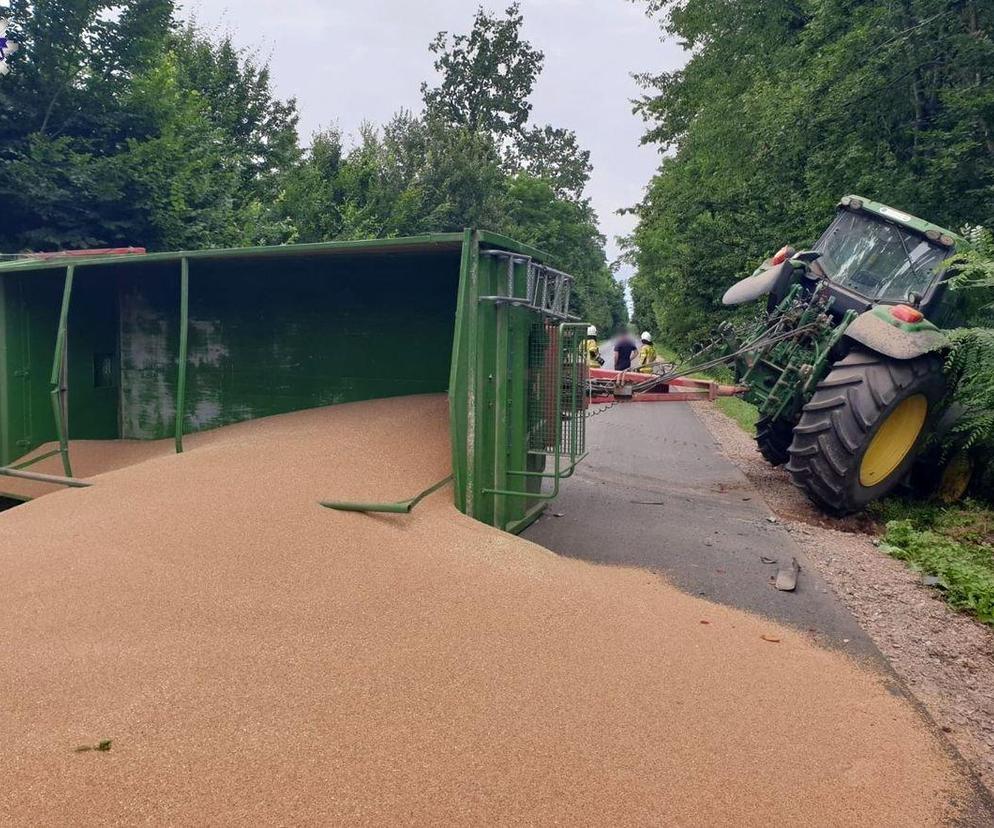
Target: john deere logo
(7,47)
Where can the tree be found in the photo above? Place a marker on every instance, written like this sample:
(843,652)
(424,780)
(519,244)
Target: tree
(487,75)
(260,129)
(567,230)
(61,119)
(469,160)
(115,128)
(118,127)
(556,156)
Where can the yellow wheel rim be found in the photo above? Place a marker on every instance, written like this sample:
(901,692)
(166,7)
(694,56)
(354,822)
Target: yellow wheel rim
(893,440)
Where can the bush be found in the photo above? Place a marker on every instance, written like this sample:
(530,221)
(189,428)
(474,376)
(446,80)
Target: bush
(965,570)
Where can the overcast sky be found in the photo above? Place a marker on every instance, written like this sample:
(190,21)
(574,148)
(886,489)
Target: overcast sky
(347,61)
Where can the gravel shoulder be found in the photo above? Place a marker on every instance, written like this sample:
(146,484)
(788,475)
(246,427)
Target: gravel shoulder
(944,657)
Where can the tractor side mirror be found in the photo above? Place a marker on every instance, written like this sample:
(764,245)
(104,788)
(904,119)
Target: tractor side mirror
(914,299)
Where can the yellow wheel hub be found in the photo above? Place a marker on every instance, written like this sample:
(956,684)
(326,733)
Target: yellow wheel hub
(893,440)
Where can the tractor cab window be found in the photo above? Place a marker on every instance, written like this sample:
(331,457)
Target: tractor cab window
(878,260)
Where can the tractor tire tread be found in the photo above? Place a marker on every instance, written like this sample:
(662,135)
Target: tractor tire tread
(837,423)
(827,404)
(773,437)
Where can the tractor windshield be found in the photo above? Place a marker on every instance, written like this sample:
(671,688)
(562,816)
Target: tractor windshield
(878,260)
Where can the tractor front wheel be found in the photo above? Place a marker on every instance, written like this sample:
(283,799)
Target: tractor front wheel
(858,436)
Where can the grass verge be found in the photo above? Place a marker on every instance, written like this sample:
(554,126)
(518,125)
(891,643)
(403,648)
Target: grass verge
(744,414)
(954,544)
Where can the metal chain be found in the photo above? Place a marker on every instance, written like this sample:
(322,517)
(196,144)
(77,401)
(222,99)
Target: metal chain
(597,412)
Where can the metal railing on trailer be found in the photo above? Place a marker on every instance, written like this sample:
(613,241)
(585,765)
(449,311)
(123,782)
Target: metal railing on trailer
(555,426)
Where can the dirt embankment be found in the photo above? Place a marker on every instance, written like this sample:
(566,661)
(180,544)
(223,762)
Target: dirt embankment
(943,656)
(252,657)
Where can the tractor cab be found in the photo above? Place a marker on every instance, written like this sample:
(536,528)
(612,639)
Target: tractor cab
(870,255)
(874,255)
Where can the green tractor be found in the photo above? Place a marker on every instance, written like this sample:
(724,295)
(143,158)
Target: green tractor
(846,365)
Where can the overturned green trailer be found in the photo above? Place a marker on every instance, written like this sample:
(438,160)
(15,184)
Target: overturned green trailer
(154,346)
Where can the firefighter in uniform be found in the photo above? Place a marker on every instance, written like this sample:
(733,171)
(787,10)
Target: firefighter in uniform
(593,349)
(647,354)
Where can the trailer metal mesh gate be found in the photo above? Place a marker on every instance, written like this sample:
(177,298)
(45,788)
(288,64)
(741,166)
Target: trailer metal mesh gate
(556,399)
(538,380)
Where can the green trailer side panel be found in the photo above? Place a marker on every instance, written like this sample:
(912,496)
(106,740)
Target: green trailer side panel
(270,337)
(489,443)
(283,329)
(32,322)
(93,357)
(5,396)
(6,454)
(149,337)
(462,375)
(486,366)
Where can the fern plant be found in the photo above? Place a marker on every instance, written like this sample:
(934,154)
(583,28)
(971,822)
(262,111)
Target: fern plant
(975,263)
(970,371)
(970,361)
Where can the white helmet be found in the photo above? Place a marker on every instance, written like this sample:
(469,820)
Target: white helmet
(592,330)
(647,336)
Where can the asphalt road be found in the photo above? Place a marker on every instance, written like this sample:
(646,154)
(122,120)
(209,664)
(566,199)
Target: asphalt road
(656,492)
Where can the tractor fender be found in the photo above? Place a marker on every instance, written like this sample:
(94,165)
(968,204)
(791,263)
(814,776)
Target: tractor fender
(766,279)
(878,331)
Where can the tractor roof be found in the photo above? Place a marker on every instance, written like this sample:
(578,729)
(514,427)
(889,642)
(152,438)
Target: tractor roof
(899,217)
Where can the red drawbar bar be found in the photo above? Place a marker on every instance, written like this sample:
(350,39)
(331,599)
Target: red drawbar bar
(678,389)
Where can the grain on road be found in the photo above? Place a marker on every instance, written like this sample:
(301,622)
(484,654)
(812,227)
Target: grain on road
(253,657)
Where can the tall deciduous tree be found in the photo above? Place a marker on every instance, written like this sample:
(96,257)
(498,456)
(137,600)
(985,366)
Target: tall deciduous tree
(118,128)
(487,75)
(469,159)
(61,118)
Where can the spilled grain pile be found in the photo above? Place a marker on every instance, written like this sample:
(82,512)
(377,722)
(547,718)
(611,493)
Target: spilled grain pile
(254,658)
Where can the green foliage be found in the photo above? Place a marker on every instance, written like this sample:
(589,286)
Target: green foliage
(62,124)
(469,159)
(955,546)
(555,156)
(970,369)
(487,75)
(567,230)
(786,106)
(970,361)
(117,129)
(745,414)
(975,266)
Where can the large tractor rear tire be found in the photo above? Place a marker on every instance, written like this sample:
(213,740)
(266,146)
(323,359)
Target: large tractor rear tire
(858,436)
(774,438)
